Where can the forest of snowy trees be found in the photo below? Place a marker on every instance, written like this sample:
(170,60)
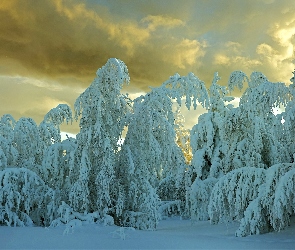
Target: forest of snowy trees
(236,163)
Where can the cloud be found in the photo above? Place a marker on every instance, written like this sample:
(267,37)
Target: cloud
(221,59)
(183,53)
(54,47)
(161,21)
(238,61)
(21,98)
(68,39)
(279,56)
(126,34)
(268,53)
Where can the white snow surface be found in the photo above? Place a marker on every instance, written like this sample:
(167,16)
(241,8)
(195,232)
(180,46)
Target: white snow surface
(172,233)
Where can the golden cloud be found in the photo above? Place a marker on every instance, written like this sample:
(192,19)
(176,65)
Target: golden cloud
(63,43)
(279,56)
(25,97)
(161,21)
(127,34)
(184,53)
(222,59)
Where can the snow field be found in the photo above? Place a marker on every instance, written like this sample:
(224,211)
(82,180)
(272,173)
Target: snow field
(172,233)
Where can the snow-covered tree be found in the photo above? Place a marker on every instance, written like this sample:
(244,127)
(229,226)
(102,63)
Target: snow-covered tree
(233,192)
(260,199)
(205,136)
(139,168)
(49,128)
(193,91)
(138,202)
(7,124)
(242,165)
(286,126)
(274,204)
(25,199)
(57,164)
(26,141)
(207,148)
(8,153)
(284,201)
(251,130)
(229,138)
(102,110)
(199,197)
(151,157)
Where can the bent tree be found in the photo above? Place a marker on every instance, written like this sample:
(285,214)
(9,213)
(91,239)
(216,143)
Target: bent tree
(102,110)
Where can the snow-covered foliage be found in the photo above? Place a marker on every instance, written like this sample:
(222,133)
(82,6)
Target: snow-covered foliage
(177,175)
(189,87)
(232,193)
(207,146)
(199,198)
(235,164)
(238,146)
(284,201)
(102,111)
(237,79)
(49,128)
(274,205)
(7,124)
(26,142)
(8,153)
(57,164)
(251,129)
(150,159)
(25,199)
(262,200)
(66,215)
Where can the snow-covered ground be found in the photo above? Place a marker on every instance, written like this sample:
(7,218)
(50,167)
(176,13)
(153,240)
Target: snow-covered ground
(172,233)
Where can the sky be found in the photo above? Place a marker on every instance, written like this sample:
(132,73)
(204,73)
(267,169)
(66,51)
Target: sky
(50,50)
